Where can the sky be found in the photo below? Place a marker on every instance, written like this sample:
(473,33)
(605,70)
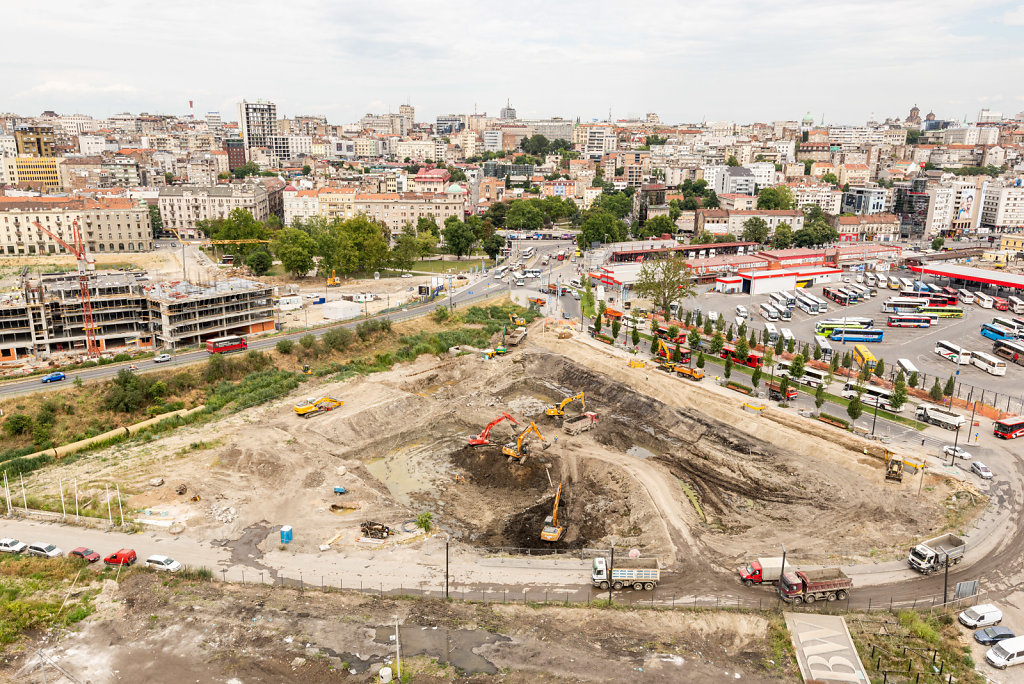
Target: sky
(743,61)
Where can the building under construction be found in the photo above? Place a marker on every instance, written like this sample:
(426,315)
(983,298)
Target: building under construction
(129,312)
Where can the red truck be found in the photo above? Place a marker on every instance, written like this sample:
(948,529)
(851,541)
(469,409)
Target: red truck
(121,557)
(807,586)
(775,391)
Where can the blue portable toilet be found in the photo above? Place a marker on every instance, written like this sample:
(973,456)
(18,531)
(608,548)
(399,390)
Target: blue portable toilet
(286,534)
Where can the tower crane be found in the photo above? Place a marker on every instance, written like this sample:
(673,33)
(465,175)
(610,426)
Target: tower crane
(78,250)
(484,438)
(520,447)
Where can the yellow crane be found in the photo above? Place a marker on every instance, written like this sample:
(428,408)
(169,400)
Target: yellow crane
(520,448)
(553,531)
(559,408)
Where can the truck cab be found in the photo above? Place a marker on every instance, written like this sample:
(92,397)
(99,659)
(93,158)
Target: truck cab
(599,573)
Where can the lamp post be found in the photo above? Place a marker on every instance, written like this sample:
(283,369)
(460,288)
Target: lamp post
(611,565)
(875,419)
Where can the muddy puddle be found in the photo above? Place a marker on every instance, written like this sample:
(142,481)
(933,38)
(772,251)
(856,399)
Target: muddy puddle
(409,470)
(455,646)
(640,452)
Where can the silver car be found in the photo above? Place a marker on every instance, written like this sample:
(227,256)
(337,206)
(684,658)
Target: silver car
(981,470)
(44,550)
(163,563)
(949,450)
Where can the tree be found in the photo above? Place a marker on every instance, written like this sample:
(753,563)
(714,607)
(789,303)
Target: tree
(493,245)
(677,354)
(796,366)
(600,225)
(285,346)
(779,197)
(742,348)
(899,392)
(847,361)
(656,227)
(306,170)
(817,353)
(617,203)
(755,229)
(597,323)
(654,346)
(728,367)
(523,215)
(717,343)
(780,346)
(880,368)
(791,345)
(693,339)
(458,237)
(783,238)
(17,424)
(865,373)
(830,178)
(855,409)
(636,337)
(935,393)
(937,243)
(720,323)
(697,320)
(425,521)
(742,330)
(784,388)
(689,319)
(819,397)
(665,282)
(947,391)
(711,200)
(156,221)
(755,377)
(700,360)
(833,364)
(768,358)
(616,327)
(428,224)
(913,379)
(708,326)
(729,334)
(732,161)
(259,262)
(295,248)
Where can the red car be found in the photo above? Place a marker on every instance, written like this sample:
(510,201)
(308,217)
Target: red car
(85,554)
(121,557)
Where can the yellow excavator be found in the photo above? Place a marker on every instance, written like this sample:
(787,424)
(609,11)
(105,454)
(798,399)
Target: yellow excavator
(553,530)
(314,407)
(516,320)
(334,280)
(520,448)
(667,364)
(559,408)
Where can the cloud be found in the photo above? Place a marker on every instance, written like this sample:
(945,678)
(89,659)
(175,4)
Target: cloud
(1015,17)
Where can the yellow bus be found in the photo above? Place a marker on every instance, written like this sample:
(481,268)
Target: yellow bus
(862,357)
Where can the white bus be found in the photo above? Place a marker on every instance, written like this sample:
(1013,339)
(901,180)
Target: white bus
(790,299)
(988,363)
(862,292)
(965,296)
(787,335)
(952,352)
(773,333)
(529,252)
(784,313)
(1010,323)
(870,395)
(1016,304)
(822,304)
(907,367)
(983,300)
(906,284)
(903,304)
(821,342)
(768,312)
(814,377)
(806,304)
(871,279)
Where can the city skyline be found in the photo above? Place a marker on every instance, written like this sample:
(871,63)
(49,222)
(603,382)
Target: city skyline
(728,62)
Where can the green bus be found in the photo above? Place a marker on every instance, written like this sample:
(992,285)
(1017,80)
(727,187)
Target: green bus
(941,311)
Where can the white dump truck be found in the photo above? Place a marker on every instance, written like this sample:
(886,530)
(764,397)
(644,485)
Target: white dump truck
(934,415)
(639,573)
(931,555)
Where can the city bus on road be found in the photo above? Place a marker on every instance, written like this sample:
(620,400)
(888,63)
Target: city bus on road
(861,335)
(910,321)
(952,352)
(988,363)
(529,252)
(863,357)
(1009,428)
(965,296)
(229,343)
(1011,351)
(752,360)
(870,395)
(994,331)
(983,300)
(941,311)
(1000,304)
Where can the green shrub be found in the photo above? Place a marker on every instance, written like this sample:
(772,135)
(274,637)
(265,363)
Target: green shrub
(17,424)
(285,346)
(338,339)
(308,341)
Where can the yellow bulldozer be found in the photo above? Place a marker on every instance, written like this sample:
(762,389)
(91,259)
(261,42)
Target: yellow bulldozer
(334,280)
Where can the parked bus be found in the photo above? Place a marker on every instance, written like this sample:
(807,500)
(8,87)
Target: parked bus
(752,360)
(871,279)
(935,289)
(1016,304)
(768,312)
(863,357)
(773,333)
(910,321)
(828,326)
(907,367)
(784,313)
(229,343)
(826,349)
(1011,351)
(941,311)
(965,296)
(790,299)
(1009,428)
(787,335)
(921,286)
(994,331)
(870,395)
(906,284)
(814,377)
(778,300)
(983,300)
(903,304)
(862,335)
(894,283)
(838,296)
(1000,304)
(806,304)
(988,363)
(822,303)
(852,294)
(952,352)
(862,291)
(1014,324)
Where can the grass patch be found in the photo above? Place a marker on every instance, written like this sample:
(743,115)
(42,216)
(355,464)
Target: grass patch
(691,494)
(32,591)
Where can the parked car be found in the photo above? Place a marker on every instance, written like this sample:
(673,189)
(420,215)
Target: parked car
(163,563)
(54,377)
(161,358)
(981,615)
(85,554)
(121,557)
(12,546)
(992,635)
(949,450)
(981,470)
(44,550)
(407,275)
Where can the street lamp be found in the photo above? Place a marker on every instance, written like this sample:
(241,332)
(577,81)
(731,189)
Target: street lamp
(447,539)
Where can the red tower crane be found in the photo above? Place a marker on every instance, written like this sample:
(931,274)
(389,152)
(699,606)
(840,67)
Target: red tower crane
(78,249)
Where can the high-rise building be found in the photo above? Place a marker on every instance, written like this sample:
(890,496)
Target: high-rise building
(408,111)
(235,147)
(508,112)
(258,122)
(35,141)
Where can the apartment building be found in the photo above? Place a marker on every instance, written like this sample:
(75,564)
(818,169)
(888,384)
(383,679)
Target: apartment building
(114,224)
(823,195)
(300,204)
(41,173)
(181,206)
(258,123)
(854,174)
(394,210)
(1002,207)
(734,202)
(868,228)
(35,141)
(129,311)
(864,200)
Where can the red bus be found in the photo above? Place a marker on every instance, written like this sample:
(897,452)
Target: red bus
(231,343)
(685,353)
(753,360)
(950,292)
(1009,428)
(1000,304)
(662,332)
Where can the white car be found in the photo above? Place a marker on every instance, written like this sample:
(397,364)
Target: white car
(163,563)
(949,450)
(161,358)
(981,470)
(407,275)
(44,550)
(12,546)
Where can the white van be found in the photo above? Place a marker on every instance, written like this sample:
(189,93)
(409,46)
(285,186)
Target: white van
(741,311)
(1005,653)
(981,616)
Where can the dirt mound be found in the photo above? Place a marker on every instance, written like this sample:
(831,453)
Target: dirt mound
(487,467)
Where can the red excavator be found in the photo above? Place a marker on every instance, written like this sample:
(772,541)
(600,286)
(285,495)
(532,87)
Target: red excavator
(483,439)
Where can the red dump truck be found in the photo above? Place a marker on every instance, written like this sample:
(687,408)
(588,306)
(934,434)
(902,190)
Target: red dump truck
(808,586)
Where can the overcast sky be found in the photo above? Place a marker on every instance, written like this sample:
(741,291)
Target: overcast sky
(687,61)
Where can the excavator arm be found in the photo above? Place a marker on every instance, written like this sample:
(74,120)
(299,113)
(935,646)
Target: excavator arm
(484,437)
(559,409)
